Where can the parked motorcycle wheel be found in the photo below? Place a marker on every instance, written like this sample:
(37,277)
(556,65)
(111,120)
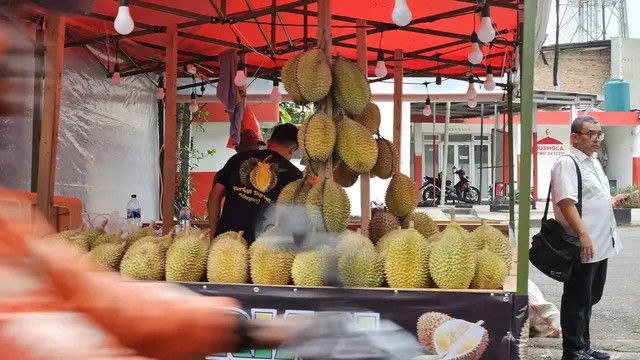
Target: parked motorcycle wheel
(427,194)
(471,195)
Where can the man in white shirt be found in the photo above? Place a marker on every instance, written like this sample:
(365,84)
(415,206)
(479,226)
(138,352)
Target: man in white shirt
(596,229)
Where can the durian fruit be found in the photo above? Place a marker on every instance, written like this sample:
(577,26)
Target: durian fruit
(421,222)
(356,147)
(493,239)
(105,238)
(361,268)
(426,327)
(383,243)
(271,258)
(350,87)
(401,196)
(452,262)
(328,207)
(142,232)
(352,240)
(382,222)
(186,258)
(228,260)
(461,340)
(246,168)
(109,255)
(145,259)
(407,260)
(311,268)
(263,177)
(289,78)
(491,271)
(387,159)
(83,240)
(236,235)
(317,137)
(313,74)
(344,176)
(295,192)
(369,117)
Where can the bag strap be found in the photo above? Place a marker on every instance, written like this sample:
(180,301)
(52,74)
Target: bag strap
(579,204)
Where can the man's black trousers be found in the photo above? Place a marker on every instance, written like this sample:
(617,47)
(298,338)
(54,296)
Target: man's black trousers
(581,292)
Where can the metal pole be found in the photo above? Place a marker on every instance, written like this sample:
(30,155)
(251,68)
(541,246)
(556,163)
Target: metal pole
(511,152)
(435,158)
(481,148)
(526,123)
(443,184)
(494,150)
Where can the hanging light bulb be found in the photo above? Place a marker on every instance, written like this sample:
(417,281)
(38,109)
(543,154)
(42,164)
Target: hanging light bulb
(426,110)
(471,90)
(475,55)
(401,14)
(381,67)
(160,89)
(472,103)
(275,96)
(123,22)
(191,69)
(115,77)
(240,79)
(489,82)
(486,33)
(193,105)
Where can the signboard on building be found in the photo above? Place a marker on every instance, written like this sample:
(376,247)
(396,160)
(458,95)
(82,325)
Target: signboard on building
(549,146)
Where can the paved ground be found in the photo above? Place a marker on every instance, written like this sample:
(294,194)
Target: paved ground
(615,323)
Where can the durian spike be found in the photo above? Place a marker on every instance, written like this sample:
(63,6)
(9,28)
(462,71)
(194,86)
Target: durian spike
(411,224)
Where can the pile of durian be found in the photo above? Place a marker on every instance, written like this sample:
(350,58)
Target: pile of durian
(414,256)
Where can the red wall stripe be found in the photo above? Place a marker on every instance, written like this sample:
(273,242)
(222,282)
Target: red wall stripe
(606,118)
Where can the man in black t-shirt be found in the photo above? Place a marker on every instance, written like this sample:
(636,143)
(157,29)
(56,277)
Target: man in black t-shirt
(250,181)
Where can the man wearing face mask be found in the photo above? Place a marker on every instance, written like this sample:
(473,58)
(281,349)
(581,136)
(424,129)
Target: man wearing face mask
(250,181)
(596,229)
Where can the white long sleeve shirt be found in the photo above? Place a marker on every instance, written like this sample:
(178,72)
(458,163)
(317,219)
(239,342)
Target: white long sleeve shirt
(597,211)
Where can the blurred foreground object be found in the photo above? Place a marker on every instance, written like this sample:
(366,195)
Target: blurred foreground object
(55,304)
(164,321)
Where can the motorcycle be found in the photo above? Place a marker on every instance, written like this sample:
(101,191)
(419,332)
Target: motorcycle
(461,191)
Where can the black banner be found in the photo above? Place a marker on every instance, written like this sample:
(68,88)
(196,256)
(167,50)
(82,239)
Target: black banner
(501,314)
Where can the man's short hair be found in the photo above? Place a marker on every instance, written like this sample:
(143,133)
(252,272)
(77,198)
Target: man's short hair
(285,134)
(578,123)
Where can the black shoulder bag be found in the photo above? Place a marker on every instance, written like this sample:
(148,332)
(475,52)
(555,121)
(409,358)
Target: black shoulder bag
(553,251)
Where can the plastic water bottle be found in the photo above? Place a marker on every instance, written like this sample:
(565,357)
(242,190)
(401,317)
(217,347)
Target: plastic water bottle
(184,218)
(134,213)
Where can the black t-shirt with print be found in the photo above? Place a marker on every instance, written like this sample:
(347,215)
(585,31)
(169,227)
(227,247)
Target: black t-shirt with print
(247,197)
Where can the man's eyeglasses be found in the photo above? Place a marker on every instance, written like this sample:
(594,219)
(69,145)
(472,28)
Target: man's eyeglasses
(593,135)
